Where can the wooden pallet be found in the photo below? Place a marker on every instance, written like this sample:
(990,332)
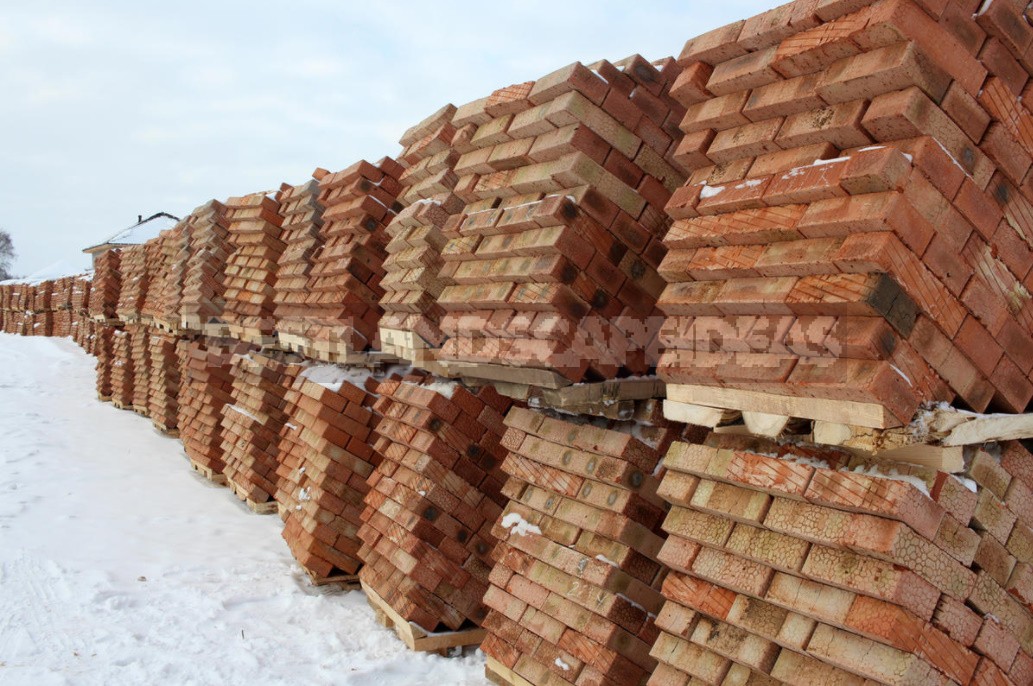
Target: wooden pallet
(348,582)
(614,399)
(417,638)
(253,336)
(104,398)
(216,330)
(164,430)
(106,321)
(256,507)
(142,411)
(121,405)
(208,473)
(498,673)
(325,351)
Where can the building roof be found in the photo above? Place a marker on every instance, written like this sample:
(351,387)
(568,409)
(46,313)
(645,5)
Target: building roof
(140,232)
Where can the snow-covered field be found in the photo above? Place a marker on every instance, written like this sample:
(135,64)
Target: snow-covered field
(118,565)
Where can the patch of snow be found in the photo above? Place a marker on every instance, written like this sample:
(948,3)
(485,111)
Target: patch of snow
(902,375)
(748,183)
(442,387)
(603,558)
(967,482)
(519,525)
(871,147)
(562,665)
(333,377)
(833,160)
(710,191)
(244,412)
(983,8)
(890,473)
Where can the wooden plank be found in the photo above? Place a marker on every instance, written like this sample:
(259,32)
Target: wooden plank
(517,375)
(498,673)
(699,415)
(984,428)
(414,636)
(763,424)
(845,411)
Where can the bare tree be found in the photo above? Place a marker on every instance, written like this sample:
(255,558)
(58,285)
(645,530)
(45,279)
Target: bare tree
(6,255)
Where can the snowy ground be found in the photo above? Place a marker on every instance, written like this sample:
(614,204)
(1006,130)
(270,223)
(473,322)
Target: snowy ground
(118,565)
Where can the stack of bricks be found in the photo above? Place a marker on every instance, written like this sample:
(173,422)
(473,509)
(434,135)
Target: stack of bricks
(413,282)
(164,355)
(553,260)
(157,269)
(107,285)
(206,387)
(163,307)
(254,240)
(103,345)
(85,335)
(84,328)
(62,306)
(806,568)
(856,226)
(135,280)
(252,424)
(121,368)
(427,526)
(303,237)
(344,285)
(576,586)
(205,256)
(325,461)
(140,354)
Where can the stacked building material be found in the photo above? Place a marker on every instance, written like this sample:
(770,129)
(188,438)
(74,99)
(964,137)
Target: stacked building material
(252,423)
(135,281)
(427,539)
(106,286)
(552,263)
(206,387)
(805,567)
(303,237)
(164,355)
(254,241)
(121,368)
(855,236)
(205,257)
(413,281)
(104,350)
(81,294)
(324,462)
(168,267)
(576,588)
(344,282)
(85,334)
(140,353)
(156,269)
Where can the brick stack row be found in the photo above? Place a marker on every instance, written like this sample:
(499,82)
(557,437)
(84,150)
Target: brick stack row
(427,525)
(140,355)
(576,586)
(302,237)
(856,226)
(135,281)
(343,308)
(156,269)
(206,254)
(811,568)
(205,388)
(168,288)
(324,462)
(120,365)
(254,240)
(104,350)
(252,423)
(165,356)
(555,254)
(106,286)
(413,282)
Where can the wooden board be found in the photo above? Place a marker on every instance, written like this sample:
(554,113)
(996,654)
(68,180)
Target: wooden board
(542,378)
(164,430)
(415,637)
(844,411)
(699,415)
(614,399)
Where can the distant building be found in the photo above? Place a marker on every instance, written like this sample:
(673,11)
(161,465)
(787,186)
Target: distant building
(140,232)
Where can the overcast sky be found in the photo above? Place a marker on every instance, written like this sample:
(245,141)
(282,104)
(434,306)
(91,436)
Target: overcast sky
(113,109)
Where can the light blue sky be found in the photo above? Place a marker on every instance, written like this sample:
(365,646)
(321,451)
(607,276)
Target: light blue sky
(114,109)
